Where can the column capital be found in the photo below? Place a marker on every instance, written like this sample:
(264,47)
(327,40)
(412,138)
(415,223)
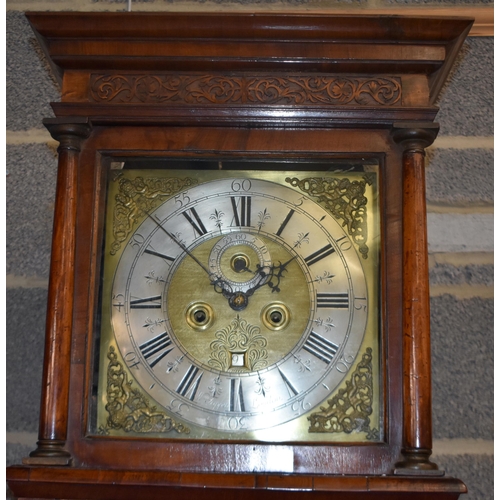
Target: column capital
(415,135)
(69,131)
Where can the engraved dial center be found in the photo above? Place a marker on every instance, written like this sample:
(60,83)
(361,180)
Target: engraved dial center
(201,326)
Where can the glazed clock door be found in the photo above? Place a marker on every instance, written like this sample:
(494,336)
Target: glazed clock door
(241,305)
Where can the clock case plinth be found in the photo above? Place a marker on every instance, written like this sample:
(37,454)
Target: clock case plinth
(240,86)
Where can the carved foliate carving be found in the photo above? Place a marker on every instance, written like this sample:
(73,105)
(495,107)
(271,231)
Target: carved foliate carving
(350,409)
(128,408)
(261,89)
(139,196)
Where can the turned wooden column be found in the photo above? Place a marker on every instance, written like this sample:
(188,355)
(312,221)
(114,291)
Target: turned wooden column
(50,450)
(417,390)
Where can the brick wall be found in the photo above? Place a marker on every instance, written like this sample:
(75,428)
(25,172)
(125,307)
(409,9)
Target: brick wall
(460,205)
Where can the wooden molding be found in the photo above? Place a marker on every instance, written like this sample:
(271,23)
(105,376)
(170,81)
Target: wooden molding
(483,14)
(484,17)
(77,44)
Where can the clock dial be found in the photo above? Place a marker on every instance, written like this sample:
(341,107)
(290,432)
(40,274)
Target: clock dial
(238,305)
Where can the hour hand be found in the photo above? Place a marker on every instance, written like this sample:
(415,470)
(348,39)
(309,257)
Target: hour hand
(221,286)
(272,277)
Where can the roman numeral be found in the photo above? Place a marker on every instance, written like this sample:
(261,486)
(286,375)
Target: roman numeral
(320,347)
(158,254)
(333,300)
(285,222)
(245,206)
(146,303)
(189,383)
(292,391)
(236,396)
(155,345)
(197,224)
(320,254)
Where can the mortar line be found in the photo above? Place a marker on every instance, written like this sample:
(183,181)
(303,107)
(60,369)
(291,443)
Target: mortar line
(463,291)
(458,259)
(463,142)
(16,281)
(462,446)
(458,209)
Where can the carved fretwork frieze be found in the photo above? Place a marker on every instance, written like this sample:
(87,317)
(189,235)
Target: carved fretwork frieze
(237,89)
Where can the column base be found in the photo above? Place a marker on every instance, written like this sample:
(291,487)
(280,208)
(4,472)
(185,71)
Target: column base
(416,463)
(49,452)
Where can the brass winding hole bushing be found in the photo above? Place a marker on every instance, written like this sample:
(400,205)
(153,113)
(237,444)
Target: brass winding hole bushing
(276,316)
(199,315)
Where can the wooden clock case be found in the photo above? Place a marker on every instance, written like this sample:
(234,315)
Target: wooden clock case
(240,86)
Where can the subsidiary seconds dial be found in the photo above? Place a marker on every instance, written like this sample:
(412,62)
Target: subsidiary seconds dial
(242,304)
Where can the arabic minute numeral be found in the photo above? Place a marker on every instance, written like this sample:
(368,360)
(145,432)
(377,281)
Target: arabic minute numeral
(241,185)
(300,406)
(183,199)
(236,423)
(344,363)
(360,305)
(131,360)
(118,301)
(137,240)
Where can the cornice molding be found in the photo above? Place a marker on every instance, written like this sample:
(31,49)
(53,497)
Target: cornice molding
(483,14)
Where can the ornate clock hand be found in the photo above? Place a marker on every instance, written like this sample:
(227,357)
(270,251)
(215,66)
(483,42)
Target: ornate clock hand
(267,277)
(217,282)
(239,300)
(179,243)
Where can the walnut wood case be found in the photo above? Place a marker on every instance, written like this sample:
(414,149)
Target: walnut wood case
(222,86)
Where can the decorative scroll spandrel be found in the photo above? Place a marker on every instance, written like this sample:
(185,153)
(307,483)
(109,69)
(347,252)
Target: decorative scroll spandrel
(350,409)
(137,197)
(128,409)
(345,199)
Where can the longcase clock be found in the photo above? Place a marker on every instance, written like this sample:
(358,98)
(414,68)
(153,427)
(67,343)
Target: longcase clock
(238,302)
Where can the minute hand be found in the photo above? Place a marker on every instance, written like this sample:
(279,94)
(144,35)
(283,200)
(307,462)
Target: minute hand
(180,244)
(219,284)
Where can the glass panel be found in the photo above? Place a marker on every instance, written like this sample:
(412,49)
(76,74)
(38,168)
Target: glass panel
(240,301)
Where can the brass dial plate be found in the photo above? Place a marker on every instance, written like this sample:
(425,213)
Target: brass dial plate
(240,304)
